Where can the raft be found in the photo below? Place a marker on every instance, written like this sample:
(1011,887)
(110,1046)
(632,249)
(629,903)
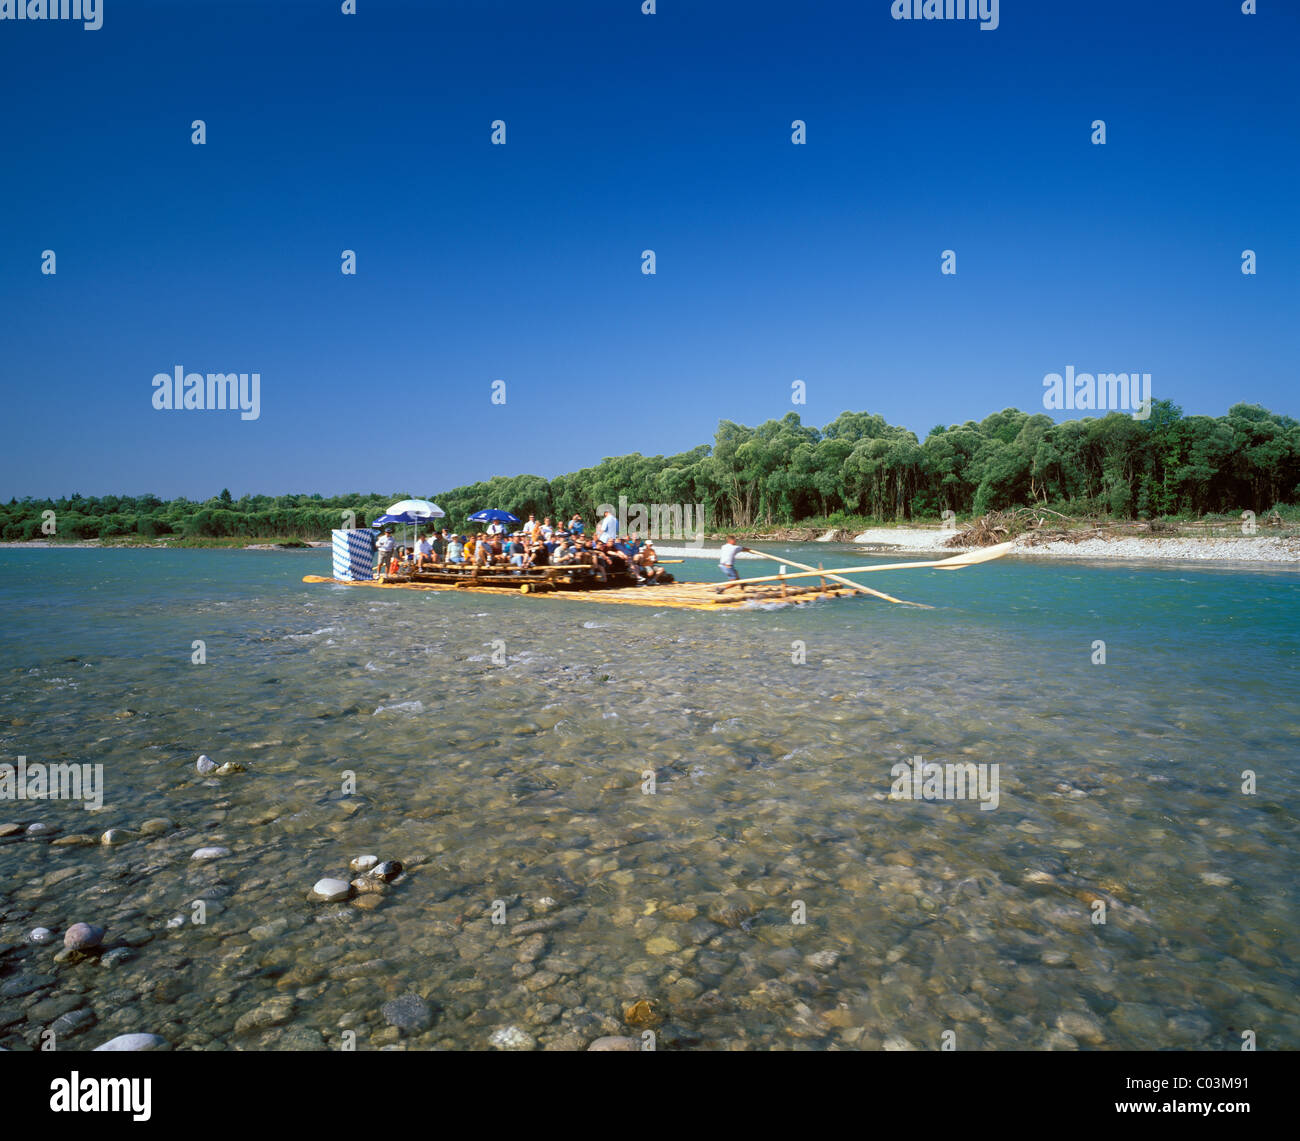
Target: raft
(675,595)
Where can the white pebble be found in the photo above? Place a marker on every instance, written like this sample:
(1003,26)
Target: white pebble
(40,935)
(210,853)
(331,890)
(206,765)
(363,863)
(134,1042)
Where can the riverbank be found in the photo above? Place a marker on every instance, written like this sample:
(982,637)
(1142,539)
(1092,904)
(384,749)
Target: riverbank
(929,542)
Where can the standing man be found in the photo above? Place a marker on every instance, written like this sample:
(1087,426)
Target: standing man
(385,549)
(575,524)
(607,532)
(727,557)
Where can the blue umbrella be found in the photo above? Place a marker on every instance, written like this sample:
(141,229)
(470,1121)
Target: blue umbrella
(492,515)
(404,520)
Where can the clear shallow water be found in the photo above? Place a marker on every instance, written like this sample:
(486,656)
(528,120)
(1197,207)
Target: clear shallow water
(522,783)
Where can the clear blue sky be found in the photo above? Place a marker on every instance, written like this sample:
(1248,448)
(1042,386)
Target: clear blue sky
(625,132)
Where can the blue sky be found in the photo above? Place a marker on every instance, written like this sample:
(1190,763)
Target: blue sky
(625,132)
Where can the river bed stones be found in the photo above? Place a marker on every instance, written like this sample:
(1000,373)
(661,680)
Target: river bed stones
(614,1044)
(212,853)
(205,765)
(409,1013)
(134,1042)
(83,937)
(512,1038)
(331,890)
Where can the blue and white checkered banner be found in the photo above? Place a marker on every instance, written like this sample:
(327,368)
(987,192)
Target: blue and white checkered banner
(354,554)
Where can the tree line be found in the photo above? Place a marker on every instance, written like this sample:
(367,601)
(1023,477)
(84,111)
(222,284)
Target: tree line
(858,467)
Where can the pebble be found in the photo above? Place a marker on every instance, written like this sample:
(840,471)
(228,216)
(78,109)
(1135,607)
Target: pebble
(822,960)
(388,870)
(206,765)
(40,828)
(272,930)
(115,836)
(115,956)
(1081,1026)
(331,890)
(134,1042)
(661,945)
(363,863)
(210,853)
(82,937)
(73,1022)
(409,1012)
(615,1043)
(230,767)
(40,935)
(10,830)
(512,1038)
(270,1013)
(153,827)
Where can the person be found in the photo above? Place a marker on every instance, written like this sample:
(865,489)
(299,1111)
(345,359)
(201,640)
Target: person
(496,527)
(538,555)
(471,549)
(647,563)
(399,557)
(546,529)
(455,550)
(562,553)
(531,526)
(727,557)
(575,524)
(438,540)
(385,548)
(514,551)
(608,529)
(424,553)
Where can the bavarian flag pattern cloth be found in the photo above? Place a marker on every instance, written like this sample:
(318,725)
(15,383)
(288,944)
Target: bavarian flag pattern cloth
(354,554)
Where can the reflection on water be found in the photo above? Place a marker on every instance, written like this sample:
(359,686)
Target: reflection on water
(378,722)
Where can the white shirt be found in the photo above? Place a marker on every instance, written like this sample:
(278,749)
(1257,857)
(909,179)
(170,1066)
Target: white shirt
(423,547)
(727,557)
(609,527)
(385,542)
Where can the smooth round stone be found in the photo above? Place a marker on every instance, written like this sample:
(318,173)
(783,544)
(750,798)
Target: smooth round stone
(40,935)
(410,1012)
(134,1042)
(115,836)
(40,828)
(388,870)
(155,826)
(512,1038)
(10,830)
(230,767)
(331,890)
(614,1043)
(363,863)
(210,853)
(83,936)
(206,765)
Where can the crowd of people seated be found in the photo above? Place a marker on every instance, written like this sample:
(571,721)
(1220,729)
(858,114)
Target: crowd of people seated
(533,546)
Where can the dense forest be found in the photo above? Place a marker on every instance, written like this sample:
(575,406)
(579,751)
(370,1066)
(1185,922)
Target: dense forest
(782,472)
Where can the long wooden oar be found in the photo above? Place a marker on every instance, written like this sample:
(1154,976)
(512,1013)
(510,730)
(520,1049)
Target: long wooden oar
(970,559)
(836,578)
